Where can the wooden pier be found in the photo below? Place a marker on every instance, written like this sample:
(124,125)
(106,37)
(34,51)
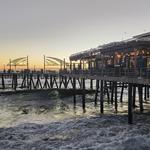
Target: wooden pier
(77,84)
(108,69)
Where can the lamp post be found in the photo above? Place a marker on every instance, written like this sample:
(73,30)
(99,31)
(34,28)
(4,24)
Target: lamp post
(44,62)
(4,68)
(27,63)
(10,65)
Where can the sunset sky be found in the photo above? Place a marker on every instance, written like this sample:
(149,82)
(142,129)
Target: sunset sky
(61,27)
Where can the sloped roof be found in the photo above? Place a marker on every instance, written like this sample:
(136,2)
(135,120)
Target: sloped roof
(138,41)
(142,35)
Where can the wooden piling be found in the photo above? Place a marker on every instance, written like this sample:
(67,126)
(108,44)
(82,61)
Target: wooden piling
(54,81)
(91,84)
(148,91)
(116,103)
(130,103)
(96,93)
(121,94)
(134,95)
(51,81)
(145,92)
(102,97)
(65,82)
(83,95)
(112,93)
(140,87)
(14,81)
(74,88)
(107,92)
(3,82)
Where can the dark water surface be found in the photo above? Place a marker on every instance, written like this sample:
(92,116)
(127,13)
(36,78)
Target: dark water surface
(45,120)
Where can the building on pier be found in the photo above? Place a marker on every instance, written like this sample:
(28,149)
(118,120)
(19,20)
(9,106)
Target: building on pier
(124,62)
(129,57)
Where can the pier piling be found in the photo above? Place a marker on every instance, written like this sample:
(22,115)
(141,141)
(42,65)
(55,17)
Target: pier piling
(102,97)
(130,103)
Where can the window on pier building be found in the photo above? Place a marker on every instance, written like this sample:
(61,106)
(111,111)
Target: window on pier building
(118,59)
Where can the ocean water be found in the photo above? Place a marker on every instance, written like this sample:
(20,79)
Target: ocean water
(46,120)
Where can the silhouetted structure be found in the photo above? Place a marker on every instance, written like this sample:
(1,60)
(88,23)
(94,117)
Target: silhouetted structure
(124,64)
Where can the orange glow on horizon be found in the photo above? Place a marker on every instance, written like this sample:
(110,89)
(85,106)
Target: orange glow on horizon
(34,63)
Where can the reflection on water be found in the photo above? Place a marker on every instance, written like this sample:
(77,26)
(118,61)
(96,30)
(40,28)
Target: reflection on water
(44,107)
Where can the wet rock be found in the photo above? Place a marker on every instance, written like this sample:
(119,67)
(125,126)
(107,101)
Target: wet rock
(25,111)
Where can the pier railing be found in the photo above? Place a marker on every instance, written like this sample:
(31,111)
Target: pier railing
(113,72)
(53,79)
(27,80)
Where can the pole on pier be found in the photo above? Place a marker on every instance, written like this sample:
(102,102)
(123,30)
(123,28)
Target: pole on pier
(64,64)
(70,65)
(10,65)
(102,97)
(61,65)
(130,103)
(44,63)
(4,70)
(27,63)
